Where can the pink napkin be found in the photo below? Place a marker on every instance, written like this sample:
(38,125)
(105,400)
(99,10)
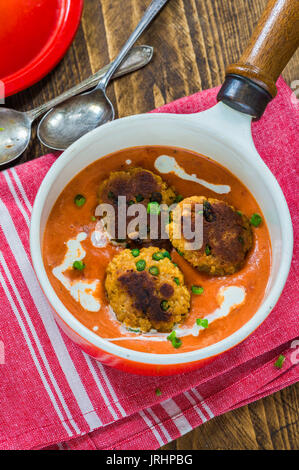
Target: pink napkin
(53,395)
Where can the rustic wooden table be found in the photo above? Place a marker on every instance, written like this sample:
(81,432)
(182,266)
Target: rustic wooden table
(194,40)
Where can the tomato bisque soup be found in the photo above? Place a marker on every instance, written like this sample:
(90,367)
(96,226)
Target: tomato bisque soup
(225,303)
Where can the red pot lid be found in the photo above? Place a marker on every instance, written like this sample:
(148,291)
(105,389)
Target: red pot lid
(34,36)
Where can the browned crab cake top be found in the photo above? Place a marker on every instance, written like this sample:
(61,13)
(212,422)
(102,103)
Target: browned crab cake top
(147,291)
(227,236)
(139,186)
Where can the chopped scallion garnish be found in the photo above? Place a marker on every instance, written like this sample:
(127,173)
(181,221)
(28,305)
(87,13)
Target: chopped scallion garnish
(176,342)
(154,270)
(208,250)
(256,220)
(158,256)
(280,361)
(79,200)
(79,265)
(135,252)
(179,198)
(198,290)
(202,322)
(140,265)
(164,305)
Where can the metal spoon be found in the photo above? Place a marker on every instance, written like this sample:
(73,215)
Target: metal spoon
(81,114)
(15,126)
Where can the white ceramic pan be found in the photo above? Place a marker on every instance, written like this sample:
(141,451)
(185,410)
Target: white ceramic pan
(222,133)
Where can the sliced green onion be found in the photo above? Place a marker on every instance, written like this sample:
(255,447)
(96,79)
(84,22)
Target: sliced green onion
(180,252)
(174,264)
(208,250)
(158,392)
(139,198)
(79,265)
(130,203)
(158,256)
(154,270)
(202,322)
(166,254)
(153,208)
(164,305)
(111,195)
(93,218)
(198,290)
(176,342)
(256,220)
(140,265)
(176,280)
(179,198)
(280,361)
(79,200)
(135,252)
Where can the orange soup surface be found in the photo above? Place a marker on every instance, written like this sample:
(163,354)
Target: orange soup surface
(67,221)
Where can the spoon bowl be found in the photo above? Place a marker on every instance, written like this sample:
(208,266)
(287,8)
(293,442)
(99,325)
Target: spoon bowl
(69,121)
(15,126)
(65,124)
(14,135)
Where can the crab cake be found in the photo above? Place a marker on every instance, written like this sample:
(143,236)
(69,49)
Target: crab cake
(227,236)
(139,186)
(146,290)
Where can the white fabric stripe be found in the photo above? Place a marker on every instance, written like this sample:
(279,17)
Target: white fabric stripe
(99,385)
(37,342)
(46,315)
(177,416)
(204,405)
(33,355)
(161,425)
(195,406)
(60,446)
(102,369)
(21,189)
(154,431)
(15,196)
(111,389)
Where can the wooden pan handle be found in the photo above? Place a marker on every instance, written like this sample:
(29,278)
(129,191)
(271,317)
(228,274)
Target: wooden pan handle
(273,43)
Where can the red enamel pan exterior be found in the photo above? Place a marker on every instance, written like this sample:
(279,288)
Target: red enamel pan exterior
(34,36)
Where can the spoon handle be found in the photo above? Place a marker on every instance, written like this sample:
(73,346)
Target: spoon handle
(138,57)
(154,8)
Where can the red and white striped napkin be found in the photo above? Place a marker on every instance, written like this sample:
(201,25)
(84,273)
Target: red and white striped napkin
(53,395)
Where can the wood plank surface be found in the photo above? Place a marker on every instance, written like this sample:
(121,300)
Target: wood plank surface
(194,40)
